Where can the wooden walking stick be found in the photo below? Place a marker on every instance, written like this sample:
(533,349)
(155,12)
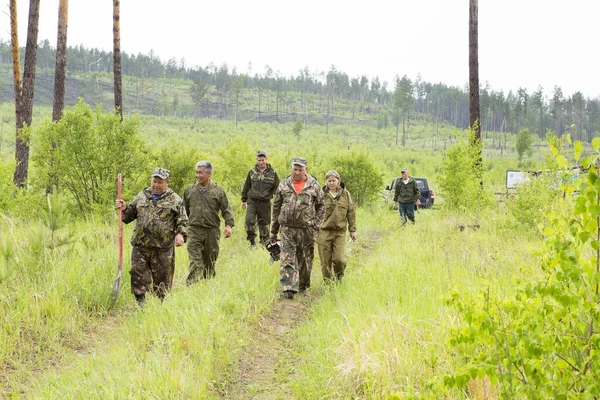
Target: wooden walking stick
(117,282)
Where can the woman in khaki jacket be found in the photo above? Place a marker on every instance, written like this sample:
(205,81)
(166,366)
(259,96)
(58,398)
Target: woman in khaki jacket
(340,215)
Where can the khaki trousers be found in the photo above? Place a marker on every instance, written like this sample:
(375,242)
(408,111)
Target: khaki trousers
(332,245)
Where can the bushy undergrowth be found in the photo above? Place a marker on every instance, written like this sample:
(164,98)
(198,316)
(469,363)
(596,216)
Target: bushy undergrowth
(83,152)
(461,183)
(534,199)
(543,340)
(360,175)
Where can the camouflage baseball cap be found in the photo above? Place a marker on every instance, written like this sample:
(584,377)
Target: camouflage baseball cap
(161,173)
(261,153)
(299,161)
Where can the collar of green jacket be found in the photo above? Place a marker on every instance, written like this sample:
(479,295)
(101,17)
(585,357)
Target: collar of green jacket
(148,193)
(310,180)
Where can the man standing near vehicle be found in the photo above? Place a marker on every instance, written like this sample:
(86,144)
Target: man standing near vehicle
(260,186)
(298,212)
(407,194)
(161,223)
(203,201)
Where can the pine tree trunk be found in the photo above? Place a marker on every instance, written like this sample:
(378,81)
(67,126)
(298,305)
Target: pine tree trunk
(22,143)
(61,60)
(118,86)
(474,69)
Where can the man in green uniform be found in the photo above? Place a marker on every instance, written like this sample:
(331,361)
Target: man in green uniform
(203,201)
(407,194)
(298,212)
(161,223)
(261,183)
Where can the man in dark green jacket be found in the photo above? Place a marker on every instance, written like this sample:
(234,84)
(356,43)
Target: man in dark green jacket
(261,183)
(161,223)
(203,201)
(407,193)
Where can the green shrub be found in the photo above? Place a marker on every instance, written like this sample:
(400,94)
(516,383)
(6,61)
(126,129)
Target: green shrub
(360,175)
(543,341)
(231,168)
(461,181)
(534,200)
(85,150)
(181,164)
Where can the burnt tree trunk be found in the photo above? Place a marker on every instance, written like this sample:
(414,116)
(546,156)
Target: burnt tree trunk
(117,57)
(26,103)
(474,121)
(474,69)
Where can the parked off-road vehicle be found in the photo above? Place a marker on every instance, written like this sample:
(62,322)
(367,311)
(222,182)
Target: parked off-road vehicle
(427,195)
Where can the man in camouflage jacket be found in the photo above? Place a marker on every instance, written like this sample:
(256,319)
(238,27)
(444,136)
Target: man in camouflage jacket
(298,212)
(203,201)
(260,186)
(161,224)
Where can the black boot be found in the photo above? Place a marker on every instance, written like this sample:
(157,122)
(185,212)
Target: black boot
(140,298)
(252,243)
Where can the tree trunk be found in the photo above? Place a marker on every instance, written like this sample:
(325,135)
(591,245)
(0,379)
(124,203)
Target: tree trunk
(118,86)
(26,103)
(475,119)
(474,69)
(18,84)
(61,60)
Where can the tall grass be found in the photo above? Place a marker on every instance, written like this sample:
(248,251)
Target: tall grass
(383,331)
(56,311)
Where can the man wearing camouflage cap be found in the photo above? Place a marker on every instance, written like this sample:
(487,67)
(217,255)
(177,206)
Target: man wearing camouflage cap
(259,188)
(161,224)
(298,212)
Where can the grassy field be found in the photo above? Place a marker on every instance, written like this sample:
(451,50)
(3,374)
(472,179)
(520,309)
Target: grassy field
(381,333)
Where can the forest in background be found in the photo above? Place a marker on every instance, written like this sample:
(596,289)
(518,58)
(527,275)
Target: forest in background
(173,89)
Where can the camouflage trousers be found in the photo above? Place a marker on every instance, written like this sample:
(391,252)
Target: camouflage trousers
(258,211)
(203,249)
(152,270)
(297,254)
(332,244)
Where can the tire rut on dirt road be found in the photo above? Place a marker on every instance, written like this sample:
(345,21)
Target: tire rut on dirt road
(267,364)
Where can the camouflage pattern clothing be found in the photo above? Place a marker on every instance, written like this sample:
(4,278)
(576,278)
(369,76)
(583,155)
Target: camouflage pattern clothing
(340,214)
(258,190)
(152,270)
(203,206)
(300,217)
(158,221)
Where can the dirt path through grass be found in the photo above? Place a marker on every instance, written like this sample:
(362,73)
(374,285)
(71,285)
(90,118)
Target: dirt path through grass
(268,363)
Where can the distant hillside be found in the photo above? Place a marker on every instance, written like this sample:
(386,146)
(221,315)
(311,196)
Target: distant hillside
(159,88)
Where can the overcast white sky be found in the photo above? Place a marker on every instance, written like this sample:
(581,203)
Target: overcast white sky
(524,43)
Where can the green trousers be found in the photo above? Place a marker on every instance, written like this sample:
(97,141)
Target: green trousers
(332,244)
(203,250)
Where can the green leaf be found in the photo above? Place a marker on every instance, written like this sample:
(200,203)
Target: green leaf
(595,143)
(595,210)
(577,148)
(561,161)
